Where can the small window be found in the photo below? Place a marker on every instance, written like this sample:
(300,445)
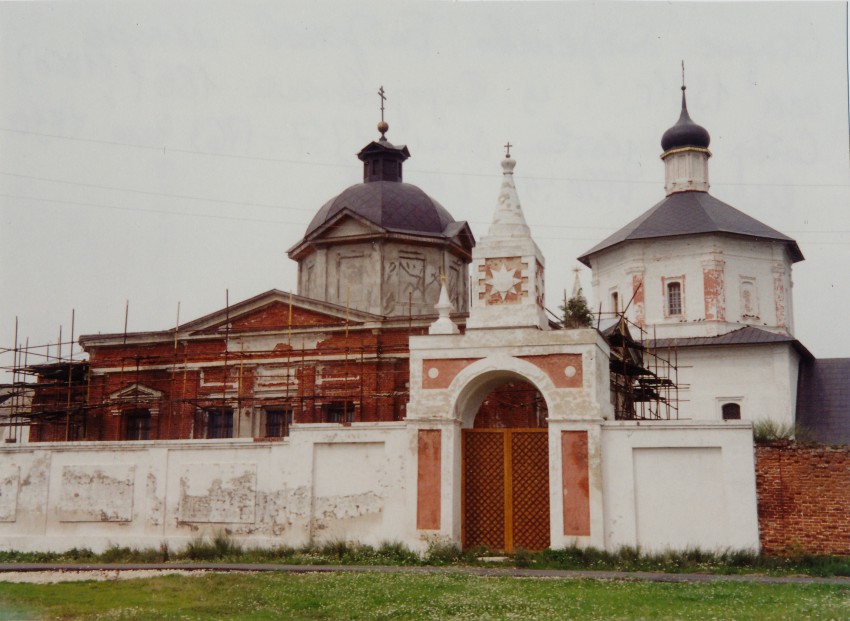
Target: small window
(731,411)
(278,422)
(674,298)
(339,412)
(615,302)
(138,425)
(220,423)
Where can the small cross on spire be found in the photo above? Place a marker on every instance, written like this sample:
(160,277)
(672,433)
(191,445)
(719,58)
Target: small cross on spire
(683,76)
(508,149)
(383,99)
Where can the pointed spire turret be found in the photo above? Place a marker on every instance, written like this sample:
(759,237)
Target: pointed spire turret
(508,291)
(508,220)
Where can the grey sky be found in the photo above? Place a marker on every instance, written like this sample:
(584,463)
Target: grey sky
(165,152)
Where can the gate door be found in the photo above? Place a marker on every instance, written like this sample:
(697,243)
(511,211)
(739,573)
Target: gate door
(506,489)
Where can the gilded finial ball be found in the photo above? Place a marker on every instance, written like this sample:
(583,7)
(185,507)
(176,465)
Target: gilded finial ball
(383,126)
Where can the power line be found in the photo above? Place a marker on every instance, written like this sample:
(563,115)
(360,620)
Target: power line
(151,193)
(165,149)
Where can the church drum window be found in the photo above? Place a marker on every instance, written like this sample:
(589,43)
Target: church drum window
(731,411)
(674,298)
(137,425)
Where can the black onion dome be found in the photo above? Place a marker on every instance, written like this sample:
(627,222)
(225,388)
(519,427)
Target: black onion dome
(685,133)
(393,205)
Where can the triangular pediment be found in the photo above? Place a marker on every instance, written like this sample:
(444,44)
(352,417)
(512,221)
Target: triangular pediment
(136,392)
(276,310)
(345,223)
(269,311)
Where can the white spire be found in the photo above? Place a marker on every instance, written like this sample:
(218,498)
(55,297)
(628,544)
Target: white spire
(508,221)
(444,324)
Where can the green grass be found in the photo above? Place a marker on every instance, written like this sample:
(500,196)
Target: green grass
(222,549)
(416,596)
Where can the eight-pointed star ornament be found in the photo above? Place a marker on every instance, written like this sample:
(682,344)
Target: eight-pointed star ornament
(503,281)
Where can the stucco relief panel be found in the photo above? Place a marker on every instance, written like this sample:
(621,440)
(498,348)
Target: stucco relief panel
(97,493)
(501,281)
(218,493)
(10,477)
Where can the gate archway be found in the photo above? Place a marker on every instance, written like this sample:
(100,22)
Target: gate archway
(505,466)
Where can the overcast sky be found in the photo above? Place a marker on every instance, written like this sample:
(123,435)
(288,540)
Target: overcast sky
(166,152)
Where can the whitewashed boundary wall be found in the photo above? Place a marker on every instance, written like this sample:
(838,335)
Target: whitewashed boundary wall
(665,485)
(323,483)
(678,485)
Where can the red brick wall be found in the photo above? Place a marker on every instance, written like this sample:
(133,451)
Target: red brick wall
(803,498)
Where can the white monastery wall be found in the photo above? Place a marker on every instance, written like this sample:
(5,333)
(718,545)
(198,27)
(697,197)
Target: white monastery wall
(673,485)
(739,270)
(323,483)
(761,379)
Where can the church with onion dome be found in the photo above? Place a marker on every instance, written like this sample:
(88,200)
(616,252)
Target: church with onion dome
(415,389)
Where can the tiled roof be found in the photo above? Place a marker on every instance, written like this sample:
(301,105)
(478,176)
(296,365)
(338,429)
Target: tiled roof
(823,399)
(692,213)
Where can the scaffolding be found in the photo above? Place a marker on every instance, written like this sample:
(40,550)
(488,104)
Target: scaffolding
(644,378)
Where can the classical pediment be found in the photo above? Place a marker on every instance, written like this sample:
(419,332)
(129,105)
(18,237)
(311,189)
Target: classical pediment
(136,392)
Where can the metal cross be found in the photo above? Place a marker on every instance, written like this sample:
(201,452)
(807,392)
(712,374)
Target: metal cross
(508,149)
(683,75)
(383,99)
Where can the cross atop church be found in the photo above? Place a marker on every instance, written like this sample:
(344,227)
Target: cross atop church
(383,99)
(508,146)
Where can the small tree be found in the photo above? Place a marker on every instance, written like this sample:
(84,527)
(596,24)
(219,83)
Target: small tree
(576,313)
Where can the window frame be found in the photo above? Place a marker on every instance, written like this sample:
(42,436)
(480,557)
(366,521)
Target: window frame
(218,430)
(283,425)
(132,433)
(667,285)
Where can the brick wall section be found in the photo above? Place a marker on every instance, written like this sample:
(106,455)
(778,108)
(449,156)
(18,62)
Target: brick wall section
(803,498)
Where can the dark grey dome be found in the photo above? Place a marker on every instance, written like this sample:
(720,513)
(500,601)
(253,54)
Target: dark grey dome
(685,133)
(392,205)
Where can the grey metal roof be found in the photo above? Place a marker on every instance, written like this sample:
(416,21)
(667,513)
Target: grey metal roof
(823,399)
(393,205)
(693,213)
(749,335)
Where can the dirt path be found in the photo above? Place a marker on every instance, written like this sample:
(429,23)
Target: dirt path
(47,573)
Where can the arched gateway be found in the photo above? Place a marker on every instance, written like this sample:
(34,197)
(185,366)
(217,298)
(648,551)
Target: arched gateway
(528,478)
(505,465)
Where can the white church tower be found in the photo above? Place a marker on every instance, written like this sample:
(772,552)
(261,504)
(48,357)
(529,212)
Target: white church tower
(693,266)
(507,267)
(710,281)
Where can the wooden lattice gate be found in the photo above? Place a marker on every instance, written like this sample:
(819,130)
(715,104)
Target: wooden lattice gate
(506,489)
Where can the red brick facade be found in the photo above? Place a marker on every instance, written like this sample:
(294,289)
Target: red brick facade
(243,373)
(803,498)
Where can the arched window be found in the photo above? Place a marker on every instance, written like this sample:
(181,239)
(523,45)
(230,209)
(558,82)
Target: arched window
(674,298)
(615,302)
(731,411)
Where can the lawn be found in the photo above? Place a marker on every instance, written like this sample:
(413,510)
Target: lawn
(416,596)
